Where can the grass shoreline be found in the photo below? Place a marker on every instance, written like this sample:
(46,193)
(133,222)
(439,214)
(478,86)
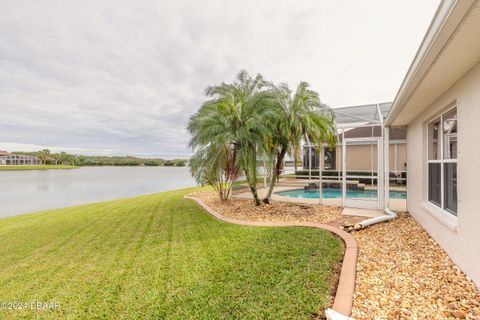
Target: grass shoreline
(37,167)
(162,256)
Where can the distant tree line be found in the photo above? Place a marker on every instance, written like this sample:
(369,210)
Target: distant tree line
(47,157)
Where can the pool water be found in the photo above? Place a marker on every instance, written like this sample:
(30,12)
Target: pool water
(337,193)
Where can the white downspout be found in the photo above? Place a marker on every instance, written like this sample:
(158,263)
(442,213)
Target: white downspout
(389,215)
(334,315)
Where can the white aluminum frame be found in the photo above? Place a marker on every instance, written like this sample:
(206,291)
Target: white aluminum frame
(382,177)
(442,161)
(366,203)
(383,149)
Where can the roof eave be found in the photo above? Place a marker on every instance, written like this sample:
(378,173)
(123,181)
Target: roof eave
(448,16)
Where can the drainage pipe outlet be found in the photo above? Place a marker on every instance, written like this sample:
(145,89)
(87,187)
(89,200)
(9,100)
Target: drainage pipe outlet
(389,215)
(334,315)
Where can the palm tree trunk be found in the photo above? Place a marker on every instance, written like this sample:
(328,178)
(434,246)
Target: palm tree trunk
(229,192)
(221,196)
(276,174)
(253,187)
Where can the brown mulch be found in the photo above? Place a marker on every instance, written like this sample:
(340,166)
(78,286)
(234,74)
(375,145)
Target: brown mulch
(244,209)
(402,273)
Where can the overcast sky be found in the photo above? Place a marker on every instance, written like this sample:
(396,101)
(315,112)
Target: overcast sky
(123,77)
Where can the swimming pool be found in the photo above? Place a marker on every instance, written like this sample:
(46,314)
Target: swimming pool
(337,193)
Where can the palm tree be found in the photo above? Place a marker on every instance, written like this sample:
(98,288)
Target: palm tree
(214,161)
(44,155)
(301,117)
(61,157)
(70,159)
(215,165)
(235,123)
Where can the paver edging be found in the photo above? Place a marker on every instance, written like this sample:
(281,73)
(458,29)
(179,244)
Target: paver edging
(343,301)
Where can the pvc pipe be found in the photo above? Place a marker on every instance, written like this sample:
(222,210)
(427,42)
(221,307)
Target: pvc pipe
(389,215)
(386,167)
(334,315)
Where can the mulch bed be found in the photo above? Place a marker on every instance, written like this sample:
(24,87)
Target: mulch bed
(402,273)
(278,211)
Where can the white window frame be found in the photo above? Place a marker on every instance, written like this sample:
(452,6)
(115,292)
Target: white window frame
(442,161)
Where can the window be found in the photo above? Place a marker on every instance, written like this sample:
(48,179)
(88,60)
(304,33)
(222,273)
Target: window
(442,161)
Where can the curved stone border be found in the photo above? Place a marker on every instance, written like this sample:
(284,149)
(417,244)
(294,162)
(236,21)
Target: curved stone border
(346,284)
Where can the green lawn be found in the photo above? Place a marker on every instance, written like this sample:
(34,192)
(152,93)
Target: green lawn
(38,167)
(162,257)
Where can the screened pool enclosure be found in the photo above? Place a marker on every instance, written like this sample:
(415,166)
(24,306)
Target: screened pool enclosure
(359,168)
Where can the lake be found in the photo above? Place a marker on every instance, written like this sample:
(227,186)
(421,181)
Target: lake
(35,190)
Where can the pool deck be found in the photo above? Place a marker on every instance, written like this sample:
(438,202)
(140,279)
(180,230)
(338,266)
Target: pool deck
(394,204)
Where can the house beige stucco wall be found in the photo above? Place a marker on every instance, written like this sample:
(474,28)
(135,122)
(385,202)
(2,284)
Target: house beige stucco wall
(459,237)
(363,157)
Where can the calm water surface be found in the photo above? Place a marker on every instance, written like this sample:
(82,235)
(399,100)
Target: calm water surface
(36,190)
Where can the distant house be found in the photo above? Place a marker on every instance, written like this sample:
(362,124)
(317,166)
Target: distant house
(9,159)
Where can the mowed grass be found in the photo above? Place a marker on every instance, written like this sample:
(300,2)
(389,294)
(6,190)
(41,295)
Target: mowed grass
(162,257)
(38,167)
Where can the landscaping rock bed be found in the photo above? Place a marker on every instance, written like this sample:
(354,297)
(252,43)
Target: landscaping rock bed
(402,273)
(278,211)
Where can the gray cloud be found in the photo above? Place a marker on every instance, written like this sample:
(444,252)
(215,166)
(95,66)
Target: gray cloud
(125,76)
